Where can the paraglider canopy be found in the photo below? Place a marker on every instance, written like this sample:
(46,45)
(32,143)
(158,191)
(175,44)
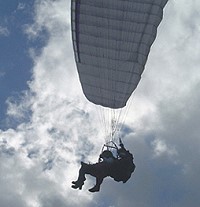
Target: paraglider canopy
(112,40)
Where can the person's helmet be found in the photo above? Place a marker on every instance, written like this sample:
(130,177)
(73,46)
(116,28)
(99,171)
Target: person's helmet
(106,154)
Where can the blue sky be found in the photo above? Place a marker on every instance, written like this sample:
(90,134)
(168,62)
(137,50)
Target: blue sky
(47,125)
(16,63)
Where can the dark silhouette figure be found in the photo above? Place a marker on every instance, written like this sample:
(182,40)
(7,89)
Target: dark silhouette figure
(120,168)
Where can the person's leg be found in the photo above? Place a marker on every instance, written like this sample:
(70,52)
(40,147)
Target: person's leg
(96,188)
(98,170)
(81,178)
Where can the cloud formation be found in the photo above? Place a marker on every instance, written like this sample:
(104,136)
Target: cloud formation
(57,127)
(4,31)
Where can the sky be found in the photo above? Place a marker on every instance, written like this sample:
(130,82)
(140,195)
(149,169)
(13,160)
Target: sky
(47,126)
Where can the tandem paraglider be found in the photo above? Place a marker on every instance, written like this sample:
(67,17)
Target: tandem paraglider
(119,168)
(111,42)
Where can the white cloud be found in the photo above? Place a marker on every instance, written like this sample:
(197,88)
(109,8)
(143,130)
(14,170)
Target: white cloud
(21,6)
(4,31)
(40,157)
(160,148)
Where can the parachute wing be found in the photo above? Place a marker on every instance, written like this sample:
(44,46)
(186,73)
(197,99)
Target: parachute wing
(112,40)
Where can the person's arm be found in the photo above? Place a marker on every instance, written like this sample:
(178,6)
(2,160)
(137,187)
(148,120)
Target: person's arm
(122,145)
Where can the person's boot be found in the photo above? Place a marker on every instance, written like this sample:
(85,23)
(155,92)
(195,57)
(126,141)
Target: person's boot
(77,184)
(96,188)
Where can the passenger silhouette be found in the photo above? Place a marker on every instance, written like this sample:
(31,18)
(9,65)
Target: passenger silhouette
(120,168)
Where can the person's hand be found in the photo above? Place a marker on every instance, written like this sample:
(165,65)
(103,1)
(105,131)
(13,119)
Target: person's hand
(121,145)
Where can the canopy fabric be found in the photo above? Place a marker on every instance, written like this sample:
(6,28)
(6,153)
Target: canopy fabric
(112,40)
